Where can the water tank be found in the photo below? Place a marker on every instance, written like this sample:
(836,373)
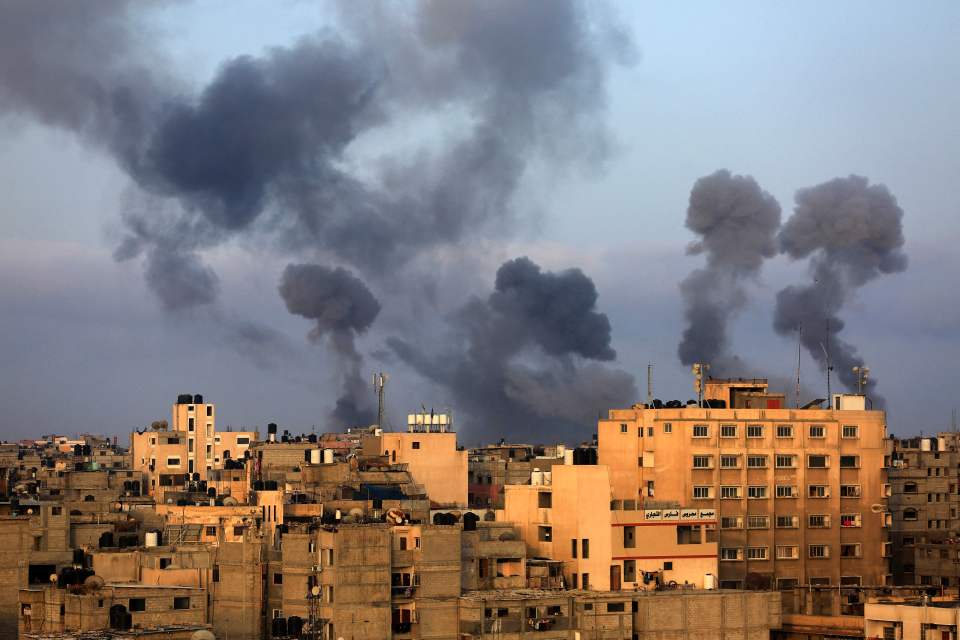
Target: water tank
(198,399)
(709,581)
(184,398)
(328,456)
(941,444)
(150,539)
(315,456)
(536,477)
(925,444)
(548,477)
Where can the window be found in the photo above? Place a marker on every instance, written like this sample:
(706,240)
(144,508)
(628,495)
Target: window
(164,563)
(731,522)
(754,430)
(786,491)
(728,431)
(650,488)
(403,541)
(701,431)
(784,430)
(850,520)
(137,604)
(668,565)
(585,580)
(731,553)
(702,492)
(818,551)
(629,538)
(649,431)
(818,521)
(545,499)
(757,462)
(189,424)
(209,410)
(758,522)
(173,462)
(756,553)
(56,511)
(850,550)
(910,487)
(615,607)
(909,514)
(849,462)
(818,462)
(585,548)
(702,462)
(216,573)
(190,445)
(243,440)
(545,534)
(818,431)
(818,491)
(278,578)
(729,492)
(851,431)
(729,462)
(667,427)
(181,602)
(757,492)
(416,444)
(787,522)
(786,461)
(849,491)
(623,428)
(788,552)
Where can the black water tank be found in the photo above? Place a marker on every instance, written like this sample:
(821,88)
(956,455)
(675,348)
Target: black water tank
(77,450)
(272,428)
(198,399)
(212,492)
(294,626)
(184,398)
(279,627)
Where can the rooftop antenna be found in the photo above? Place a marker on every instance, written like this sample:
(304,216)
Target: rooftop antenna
(699,370)
(650,384)
(379,383)
(799,346)
(826,353)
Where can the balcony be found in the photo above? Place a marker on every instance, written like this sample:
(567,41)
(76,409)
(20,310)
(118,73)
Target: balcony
(403,592)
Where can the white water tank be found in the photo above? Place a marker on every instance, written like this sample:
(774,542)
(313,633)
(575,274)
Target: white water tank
(709,581)
(316,456)
(941,444)
(925,444)
(536,478)
(548,477)
(150,539)
(328,456)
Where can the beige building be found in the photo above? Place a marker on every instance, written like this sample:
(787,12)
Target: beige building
(591,615)
(799,494)
(568,514)
(913,619)
(431,454)
(188,449)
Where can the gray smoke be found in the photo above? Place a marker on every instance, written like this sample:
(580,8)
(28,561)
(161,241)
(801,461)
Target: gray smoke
(852,232)
(342,307)
(524,361)
(737,223)
(264,147)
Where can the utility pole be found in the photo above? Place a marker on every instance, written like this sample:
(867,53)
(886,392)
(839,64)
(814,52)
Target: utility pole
(379,383)
(649,384)
(799,346)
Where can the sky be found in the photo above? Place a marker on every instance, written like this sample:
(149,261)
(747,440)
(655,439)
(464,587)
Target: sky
(792,94)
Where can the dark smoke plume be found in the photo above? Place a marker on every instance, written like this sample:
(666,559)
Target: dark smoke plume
(737,223)
(342,307)
(520,361)
(852,232)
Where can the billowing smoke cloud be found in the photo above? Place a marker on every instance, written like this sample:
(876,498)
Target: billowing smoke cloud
(737,223)
(342,307)
(852,232)
(265,147)
(525,360)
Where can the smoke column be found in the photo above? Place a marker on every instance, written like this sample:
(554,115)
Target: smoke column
(526,360)
(737,223)
(342,307)
(852,232)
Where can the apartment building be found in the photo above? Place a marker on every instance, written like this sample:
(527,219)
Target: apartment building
(924,477)
(800,495)
(568,515)
(187,449)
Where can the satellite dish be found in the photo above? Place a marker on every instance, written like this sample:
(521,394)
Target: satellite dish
(203,634)
(315,590)
(29,512)
(229,501)
(94,582)
(53,578)
(876,508)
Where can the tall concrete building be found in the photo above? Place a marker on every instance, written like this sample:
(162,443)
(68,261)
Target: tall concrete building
(800,495)
(924,502)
